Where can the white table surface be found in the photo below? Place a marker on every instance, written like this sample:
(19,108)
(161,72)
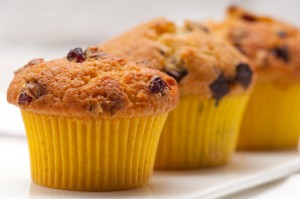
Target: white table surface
(245,171)
(15,178)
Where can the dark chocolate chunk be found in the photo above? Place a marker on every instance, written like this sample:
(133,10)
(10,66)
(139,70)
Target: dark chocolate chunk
(24,99)
(219,88)
(177,74)
(248,17)
(76,54)
(243,74)
(157,85)
(281,52)
(282,34)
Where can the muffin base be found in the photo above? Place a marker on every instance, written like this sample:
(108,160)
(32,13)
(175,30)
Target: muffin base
(272,117)
(94,154)
(200,134)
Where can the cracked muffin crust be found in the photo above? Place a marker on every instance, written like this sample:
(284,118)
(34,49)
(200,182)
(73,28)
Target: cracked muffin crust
(272,45)
(92,84)
(200,63)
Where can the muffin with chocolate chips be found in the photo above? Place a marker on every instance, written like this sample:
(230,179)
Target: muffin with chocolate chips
(214,80)
(271,118)
(92,120)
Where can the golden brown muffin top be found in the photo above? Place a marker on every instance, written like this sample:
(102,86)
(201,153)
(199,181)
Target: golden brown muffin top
(272,45)
(200,63)
(92,84)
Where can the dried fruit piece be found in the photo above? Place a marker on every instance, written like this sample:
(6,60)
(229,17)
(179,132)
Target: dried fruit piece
(177,74)
(219,88)
(24,99)
(243,74)
(157,85)
(281,52)
(36,89)
(76,54)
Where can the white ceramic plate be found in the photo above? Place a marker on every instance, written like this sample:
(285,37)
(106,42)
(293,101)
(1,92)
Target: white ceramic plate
(246,170)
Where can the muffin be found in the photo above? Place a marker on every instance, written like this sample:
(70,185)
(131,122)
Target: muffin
(214,81)
(271,120)
(93,121)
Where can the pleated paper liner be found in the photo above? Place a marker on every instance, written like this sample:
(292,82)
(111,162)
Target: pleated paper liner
(272,118)
(92,155)
(199,133)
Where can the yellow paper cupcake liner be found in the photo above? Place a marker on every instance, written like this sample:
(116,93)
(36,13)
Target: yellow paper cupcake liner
(200,134)
(272,118)
(92,155)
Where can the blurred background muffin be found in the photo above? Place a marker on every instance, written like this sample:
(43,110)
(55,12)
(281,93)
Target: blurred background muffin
(271,120)
(214,79)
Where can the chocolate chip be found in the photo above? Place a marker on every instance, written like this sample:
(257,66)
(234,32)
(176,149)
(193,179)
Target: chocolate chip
(157,85)
(76,54)
(243,74)
(24,99)
(36,89)
(177,74)
(248,17)
(282,34)
(281,52)
(219,88)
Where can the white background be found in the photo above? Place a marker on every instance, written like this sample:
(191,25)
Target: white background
(38,28)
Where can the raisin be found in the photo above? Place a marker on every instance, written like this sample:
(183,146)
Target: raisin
(157,85)
(24,99)
(176,74)
(219,88)
(76,54)
(243,74)
(281,52)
